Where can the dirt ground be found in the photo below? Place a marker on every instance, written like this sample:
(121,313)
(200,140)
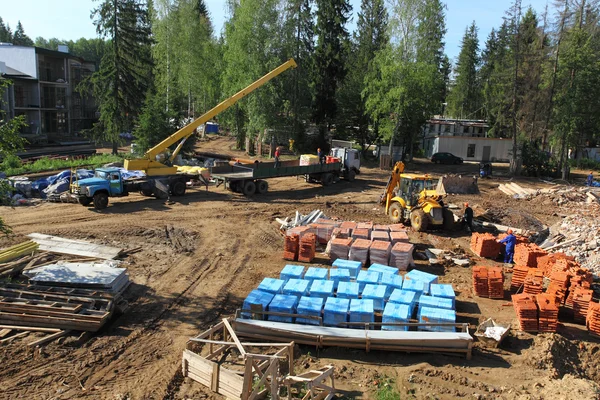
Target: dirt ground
(204,253)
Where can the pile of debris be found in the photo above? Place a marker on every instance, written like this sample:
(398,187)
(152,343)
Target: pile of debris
(558,195)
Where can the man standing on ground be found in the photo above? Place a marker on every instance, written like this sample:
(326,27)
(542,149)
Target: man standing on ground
(468,217)
(590,178)
(510,241)
(277,154)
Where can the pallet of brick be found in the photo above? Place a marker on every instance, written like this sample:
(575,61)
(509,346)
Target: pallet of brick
(401,256)
(397,237)
(495,283)
(546,263)
(485,245)
(291,244)
(593,318)
(365,225)
(379,252)
(348,225)
(528,254)
(341,233)
(527,312)
(359,251)
(380,235)
(548,313)
(575,281)
(308,247)
(340,248)
(326,221)
(559,283)
(299,230)
(384,228)
(581,302)
(397,228)
(518,277)
(361,234)
(533,282)
(323,232)
(480,281)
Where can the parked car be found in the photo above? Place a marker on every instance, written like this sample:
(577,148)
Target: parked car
(446,158)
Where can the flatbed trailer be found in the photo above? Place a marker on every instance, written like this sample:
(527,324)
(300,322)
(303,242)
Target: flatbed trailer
(251,178)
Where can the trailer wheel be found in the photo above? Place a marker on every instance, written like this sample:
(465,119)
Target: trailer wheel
(351,175)
(249,188)
(178,188)
(84,201)
(327,179)
(262,186)
(100,201)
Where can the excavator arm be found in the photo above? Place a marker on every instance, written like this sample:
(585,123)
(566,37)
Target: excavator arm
(149,162)
(393,181)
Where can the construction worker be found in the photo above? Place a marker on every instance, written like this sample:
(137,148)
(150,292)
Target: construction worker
(590,178)
(510,241)
(468,217)
(277,154)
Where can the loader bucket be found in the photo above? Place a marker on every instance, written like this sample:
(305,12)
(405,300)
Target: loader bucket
(457,184)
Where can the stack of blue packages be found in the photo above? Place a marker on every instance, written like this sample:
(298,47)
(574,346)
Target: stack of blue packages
(315,273)
(296,287)
(384,269)
(283,303)
(352,266)
(395,313)
(405,297)
(347,290)
(443,290)
(321,288)
(338,275)
(309,306)
(367,278)
(292,272)
(417,275)
(436,315)
(256,298)
(336,312)
(435,302)
(392,281)
(271,285)
(414,286)
(377,293)
(361,310)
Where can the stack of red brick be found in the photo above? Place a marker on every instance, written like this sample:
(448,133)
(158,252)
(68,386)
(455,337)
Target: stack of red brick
(308,247)
(485,245)
(526,310)
(291,244)
(546,263)
(359,251)
(548,313)
(559,284)
(518,277)
(397,237)
(480,281)
(349,225)
(495,283)
(379,252)
(360,233)
(533,282)
(323,231)
(581,302)
(380,235)
(593,318)
(527,254)
(340,248)
(401,256)
(397,228)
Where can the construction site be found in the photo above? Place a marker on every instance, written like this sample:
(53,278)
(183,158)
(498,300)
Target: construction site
(307,276)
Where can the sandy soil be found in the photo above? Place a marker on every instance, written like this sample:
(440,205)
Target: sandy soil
(203,254)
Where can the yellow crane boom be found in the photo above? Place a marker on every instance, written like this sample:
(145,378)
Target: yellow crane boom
(149,162)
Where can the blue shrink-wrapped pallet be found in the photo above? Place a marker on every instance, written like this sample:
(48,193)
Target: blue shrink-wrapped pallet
(271,285)
(256,298)
(414,286)
(367,278)
(417,275)
(352,266)
(443,290)
(292,272)
(315,273)
(395,313)
(377,293)
(384,269)
(321,288)
(436,315)
(392,282)
(347,290)
(283,303)
(309,306)
(337,275)
(336,312)
(435,302)
(296,287)
(361,310)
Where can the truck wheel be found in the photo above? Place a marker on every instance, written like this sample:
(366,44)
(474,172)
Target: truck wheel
(100,201)
(395,213)
(249,188)
(146,192)
(351,175)
(327,179)
(84,201)
(262,186)
(178,188)
(419,220)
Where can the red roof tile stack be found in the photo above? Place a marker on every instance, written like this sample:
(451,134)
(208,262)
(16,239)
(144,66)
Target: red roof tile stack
(359,251)
(480,281)
(593,318)
(518,277)
(398,237)
(527,254)
(291,244)
(495,283)
(401,256)
(581,302)
(308,246)
(526,310)
(548,313)
(379,252)
(340,248)
(485,245)
(533,282)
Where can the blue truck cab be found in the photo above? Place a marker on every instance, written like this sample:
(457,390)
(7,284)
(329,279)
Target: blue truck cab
(107,182)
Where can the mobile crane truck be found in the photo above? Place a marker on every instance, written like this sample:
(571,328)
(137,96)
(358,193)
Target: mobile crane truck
(161,176)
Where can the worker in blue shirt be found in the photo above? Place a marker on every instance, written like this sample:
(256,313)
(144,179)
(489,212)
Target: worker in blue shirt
(510,241)
(590,178)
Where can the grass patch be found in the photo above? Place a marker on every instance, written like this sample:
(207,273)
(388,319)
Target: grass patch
(386,390)
(12,167)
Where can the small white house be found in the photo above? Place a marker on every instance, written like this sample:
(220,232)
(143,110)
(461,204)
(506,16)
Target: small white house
(478,149)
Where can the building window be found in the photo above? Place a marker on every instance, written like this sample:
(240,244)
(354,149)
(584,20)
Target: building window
(471,151)
(447,128)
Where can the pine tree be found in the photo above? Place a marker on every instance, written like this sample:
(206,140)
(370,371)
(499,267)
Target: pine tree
(20,38)
(5,32)
(121,83)
(201,9)
(465,98)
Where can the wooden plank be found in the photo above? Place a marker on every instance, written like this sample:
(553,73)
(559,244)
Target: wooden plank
(48,338)
(50,322)
(231,379)
(29,328)
(5,332)
(60,245)
(249,344)
(214,384)
(234,337)
(50,313)
(10,339)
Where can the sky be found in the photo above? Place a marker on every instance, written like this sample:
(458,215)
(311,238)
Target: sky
(71,20)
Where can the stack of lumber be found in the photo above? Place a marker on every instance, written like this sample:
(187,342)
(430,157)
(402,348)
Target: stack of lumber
(581,302)
(528,254)
(495,283)
(308,247)
(340,248)
(401,256)
(548,313)
(518,277)
(379,251)
(533,282)
(17,251)
(559,283)
(593,318)
(15,267)
(514,190)
(480,281)
(291,244)
(359,251)
(526,310)
(60,245)
(485,245)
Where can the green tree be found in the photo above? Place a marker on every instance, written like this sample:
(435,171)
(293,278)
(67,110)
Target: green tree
(120,85)
(465,98)
(5,32)
(20,38)
(155,122)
